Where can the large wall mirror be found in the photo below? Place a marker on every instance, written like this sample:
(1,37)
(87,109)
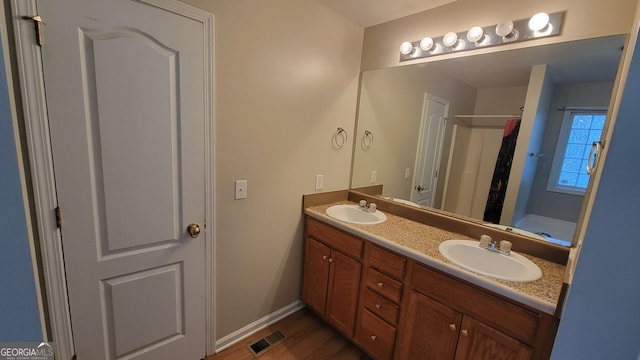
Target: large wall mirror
(502,137)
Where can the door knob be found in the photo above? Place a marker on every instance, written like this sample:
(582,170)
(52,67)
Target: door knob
(420,188)
(193,230)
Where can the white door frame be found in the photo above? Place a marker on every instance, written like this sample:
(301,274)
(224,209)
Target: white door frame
(36,121)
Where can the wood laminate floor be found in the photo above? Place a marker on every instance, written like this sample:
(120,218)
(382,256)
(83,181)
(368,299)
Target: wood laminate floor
(305,337)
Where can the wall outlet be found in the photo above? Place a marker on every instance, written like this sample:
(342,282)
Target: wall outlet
(319,182)
(374,176)
(407,173)
(241,189)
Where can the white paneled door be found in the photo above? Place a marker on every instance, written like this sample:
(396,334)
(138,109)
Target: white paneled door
(432,128)
(125,87)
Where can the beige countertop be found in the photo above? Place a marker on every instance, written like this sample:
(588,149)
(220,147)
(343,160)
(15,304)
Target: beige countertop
(420,242)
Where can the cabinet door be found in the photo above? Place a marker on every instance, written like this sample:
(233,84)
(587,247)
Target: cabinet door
(344,284)
(316,275)
(481,342)
(429,330)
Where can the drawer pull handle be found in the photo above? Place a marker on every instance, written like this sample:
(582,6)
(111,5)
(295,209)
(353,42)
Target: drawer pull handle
(373,338)
(380,285)
(452,327)
(378,306)
(464,332)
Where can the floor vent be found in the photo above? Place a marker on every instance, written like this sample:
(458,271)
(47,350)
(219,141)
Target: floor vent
(263,344)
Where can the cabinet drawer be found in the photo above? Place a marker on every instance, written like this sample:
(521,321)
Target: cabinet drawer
(375,335)
(334,238)
(500,314)
(383,285)
(386,262)
(380,306)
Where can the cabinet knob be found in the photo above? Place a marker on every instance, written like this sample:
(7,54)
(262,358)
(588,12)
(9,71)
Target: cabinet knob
(380,285)
(324,257)
(378,306)
(452,327)
(373,338)
(330,260)
(464,332)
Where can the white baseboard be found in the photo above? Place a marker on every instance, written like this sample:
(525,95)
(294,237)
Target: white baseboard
(257,325)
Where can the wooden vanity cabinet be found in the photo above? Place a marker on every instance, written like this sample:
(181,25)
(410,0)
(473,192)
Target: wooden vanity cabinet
(380,297)
(396,308)
(331,275)
(444,318)
(479,341)
(436,331)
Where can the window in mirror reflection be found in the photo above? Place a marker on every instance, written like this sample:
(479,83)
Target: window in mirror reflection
(580,128)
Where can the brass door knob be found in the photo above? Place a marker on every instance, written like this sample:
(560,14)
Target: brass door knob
(193,230)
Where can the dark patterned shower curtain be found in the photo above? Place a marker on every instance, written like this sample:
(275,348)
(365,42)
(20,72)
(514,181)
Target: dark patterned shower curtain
(495,201)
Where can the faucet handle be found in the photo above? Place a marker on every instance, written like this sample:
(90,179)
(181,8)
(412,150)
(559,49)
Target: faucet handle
(372,207)
(363,203)
(485,240)
(505,245)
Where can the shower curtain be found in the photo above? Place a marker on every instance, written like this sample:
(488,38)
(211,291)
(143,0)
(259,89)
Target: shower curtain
(495,201)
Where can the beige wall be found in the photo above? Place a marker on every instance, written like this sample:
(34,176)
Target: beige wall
(286,78)
(584,19)
(391,104)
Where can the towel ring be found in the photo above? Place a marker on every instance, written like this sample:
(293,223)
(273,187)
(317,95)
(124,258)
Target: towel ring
(340,138)
(367,139)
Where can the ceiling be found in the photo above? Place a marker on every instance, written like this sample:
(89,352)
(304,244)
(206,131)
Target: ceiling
(373,12)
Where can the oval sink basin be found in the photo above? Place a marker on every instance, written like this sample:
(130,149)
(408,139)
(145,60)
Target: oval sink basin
(469,255)
(354,215)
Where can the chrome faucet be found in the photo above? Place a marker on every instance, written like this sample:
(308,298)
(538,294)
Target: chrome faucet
(503,247)
(368,207)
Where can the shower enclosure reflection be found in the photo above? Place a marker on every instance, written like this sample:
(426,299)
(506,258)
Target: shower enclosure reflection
(451,151)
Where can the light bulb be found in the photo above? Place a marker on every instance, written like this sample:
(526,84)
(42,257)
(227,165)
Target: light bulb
(475,34)
(450,39)
(505,28)
(539,21)
(426,43)
(507,31)
(406,48)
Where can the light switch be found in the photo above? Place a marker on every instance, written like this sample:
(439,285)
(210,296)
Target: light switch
(407,173)
(374,176)
(241,189)
(319,182)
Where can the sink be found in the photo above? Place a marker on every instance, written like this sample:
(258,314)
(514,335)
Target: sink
(469,255)
(354,215)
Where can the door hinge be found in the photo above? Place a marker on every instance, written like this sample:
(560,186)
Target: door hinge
(59,217)
(37,22)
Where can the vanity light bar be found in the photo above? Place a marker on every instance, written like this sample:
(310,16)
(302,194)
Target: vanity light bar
(540,25)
